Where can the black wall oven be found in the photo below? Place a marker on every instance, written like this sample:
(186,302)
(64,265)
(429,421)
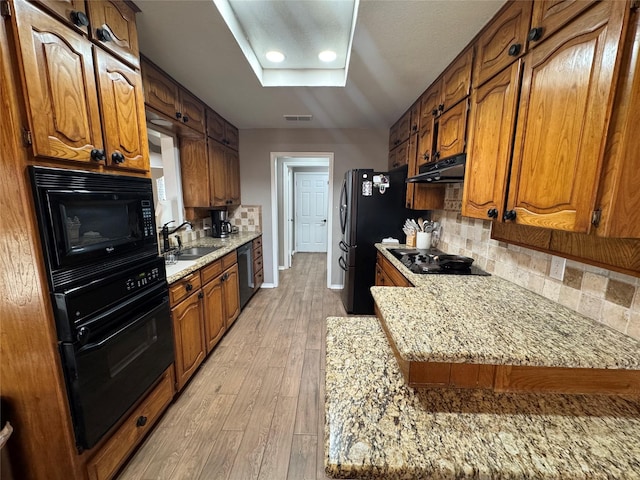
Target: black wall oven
(109,292)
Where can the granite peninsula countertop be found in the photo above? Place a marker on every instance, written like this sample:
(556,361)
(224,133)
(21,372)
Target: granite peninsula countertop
(183,268)
(489,320)
(376,427)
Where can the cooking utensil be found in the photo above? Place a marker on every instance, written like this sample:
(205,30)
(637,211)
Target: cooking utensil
(421,224)
(454,262)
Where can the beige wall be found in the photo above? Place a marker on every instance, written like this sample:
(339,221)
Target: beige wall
(603,295)
(352,148)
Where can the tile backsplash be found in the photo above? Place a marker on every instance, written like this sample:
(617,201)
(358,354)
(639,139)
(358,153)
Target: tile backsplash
(603,295)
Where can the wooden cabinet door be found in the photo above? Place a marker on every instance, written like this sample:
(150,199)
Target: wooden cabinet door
(60,86)
(233,177)
(492,124)
(123,117)
(113,26)
(425,144)
(394,141)
(502,41)
(399,156)
(562,122)
(391,159)
(231,286)
(231,136)
(188,335)
(429,105)
(217,174)
(194,169)
(192,112)
(160,92)
(70,11)
(214,315)
(451,131)
(415,118)
(215,126)
(456,80)
(404,128)
(550,16)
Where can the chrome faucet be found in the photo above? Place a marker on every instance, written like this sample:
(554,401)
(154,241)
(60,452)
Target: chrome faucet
(166,232)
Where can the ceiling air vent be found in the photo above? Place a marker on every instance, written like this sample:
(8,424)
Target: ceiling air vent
(298,118)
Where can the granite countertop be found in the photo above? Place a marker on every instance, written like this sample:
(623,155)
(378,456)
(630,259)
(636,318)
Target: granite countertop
(377,427)
(489,320)
(183,268)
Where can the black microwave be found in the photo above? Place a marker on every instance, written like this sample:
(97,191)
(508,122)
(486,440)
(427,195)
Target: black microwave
(92,222)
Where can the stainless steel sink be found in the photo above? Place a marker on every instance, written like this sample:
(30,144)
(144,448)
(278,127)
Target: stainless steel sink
(193,253)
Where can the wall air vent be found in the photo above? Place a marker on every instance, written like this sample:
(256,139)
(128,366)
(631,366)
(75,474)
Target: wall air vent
(298,118)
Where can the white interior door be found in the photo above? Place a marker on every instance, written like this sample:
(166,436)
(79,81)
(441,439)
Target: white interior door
(312,190)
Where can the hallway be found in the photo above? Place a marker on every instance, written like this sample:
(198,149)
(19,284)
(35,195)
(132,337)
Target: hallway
(255,409)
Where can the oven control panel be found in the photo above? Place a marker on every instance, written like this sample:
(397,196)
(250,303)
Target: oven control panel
(147,218)
(143,279)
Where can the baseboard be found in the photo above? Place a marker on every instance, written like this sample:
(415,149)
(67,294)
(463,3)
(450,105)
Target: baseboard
(281,267)
(267,285)
(336,287)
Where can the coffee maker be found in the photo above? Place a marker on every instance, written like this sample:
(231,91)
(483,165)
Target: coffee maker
(220,227)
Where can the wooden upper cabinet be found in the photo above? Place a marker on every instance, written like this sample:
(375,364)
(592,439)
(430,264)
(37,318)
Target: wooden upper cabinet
(550,16)
(218,174)
(71,11)
(194,172)
(566,98)
(456,81)
(491,127)
(502,41)
(233,177)
(192,111)
(113,26)
(60,86)
(429,102)
(221,131)
(414,126)
(452,128)
(160,91)
(404,127)
(424,152)
(124,124)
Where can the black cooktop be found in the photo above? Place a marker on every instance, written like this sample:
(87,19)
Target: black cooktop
(426,262)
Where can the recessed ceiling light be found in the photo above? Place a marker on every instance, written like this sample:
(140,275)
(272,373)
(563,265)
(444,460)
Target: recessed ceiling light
(327,56)
(275,56)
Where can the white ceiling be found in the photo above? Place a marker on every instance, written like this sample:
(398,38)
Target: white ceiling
(399,48)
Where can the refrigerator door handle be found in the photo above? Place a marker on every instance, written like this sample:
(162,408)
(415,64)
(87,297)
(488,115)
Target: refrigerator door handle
(343,246)
(342,263)
(343,206)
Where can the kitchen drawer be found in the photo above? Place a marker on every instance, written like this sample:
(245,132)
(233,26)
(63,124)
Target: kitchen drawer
(115,451)
(229,260)
(391,275)
(257,242)
(258,279)
(257,252)
(211,271)
(257,263)
(184,287)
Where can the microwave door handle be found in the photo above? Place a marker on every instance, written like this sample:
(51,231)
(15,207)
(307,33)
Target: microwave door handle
(97,345)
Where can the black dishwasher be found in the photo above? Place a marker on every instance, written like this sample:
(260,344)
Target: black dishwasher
(245,272)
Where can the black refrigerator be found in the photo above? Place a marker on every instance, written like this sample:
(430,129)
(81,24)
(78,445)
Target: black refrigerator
(369,212)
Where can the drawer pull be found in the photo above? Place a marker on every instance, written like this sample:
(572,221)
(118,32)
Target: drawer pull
(189,287)
(141,421)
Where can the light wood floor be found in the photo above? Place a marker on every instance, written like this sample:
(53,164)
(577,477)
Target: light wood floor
(255,409)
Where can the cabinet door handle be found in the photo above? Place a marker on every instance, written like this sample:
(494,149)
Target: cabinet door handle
(509,215)
(103,35)
(98,155)
(185,119)
(535,34)
(200,295)
(178,115)
(79,19)
(141,421)
(117,157)
(441,107)
(188,287)
(434,112)
(514,50)
(492,213)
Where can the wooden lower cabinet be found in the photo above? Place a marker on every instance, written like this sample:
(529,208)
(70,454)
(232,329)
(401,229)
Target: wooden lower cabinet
(112,455)
(189,336)
(258,265)
(389,276)
(204,304)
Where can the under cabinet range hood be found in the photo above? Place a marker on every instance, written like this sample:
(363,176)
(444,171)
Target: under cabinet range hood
(449,170)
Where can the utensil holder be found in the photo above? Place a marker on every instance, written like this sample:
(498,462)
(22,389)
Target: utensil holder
(423,240)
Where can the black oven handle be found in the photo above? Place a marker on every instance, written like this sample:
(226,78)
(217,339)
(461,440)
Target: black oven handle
(141,318)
